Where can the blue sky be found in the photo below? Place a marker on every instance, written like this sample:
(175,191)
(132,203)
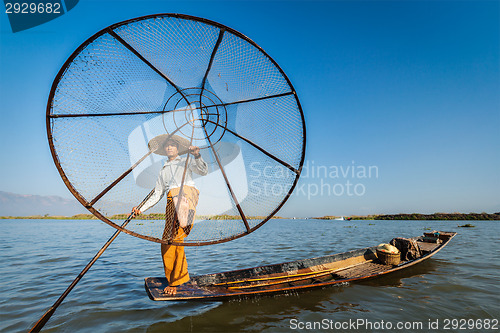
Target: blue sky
(411,89)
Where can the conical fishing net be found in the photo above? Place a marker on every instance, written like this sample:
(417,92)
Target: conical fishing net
(138,88)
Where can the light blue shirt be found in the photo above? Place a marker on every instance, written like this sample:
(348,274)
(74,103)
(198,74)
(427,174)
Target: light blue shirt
(171,177)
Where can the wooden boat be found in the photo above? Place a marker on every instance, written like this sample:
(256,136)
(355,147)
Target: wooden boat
(297,275)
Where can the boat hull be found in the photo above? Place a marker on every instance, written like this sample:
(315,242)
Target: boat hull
(291,276)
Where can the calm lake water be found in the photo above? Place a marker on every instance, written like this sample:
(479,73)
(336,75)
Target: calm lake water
(40,258)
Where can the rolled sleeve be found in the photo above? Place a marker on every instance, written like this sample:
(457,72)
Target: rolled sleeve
(199,166)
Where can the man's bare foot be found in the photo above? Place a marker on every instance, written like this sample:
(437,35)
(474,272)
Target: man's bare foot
(170,290)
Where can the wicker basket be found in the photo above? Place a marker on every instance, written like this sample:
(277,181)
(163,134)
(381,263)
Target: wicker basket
(389,258)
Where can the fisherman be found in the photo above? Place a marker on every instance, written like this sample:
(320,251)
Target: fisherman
(182,198)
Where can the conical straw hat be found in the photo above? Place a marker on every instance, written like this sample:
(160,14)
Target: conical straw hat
(158,143)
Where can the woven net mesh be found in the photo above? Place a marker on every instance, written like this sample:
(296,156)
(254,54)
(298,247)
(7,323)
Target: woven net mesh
(134,86)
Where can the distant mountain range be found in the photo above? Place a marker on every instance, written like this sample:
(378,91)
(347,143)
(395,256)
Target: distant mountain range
(12,204)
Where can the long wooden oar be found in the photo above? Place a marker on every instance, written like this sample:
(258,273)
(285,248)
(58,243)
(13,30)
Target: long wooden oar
(295,277)
(45,318)
(285,278)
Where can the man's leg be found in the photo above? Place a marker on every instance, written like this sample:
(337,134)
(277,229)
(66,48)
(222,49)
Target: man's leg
(174,257)
(175,265)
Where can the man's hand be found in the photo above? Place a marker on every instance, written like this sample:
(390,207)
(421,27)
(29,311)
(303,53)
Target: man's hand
(135,212)
(195,151)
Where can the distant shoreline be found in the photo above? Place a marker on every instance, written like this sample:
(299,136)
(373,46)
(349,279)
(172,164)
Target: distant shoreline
(413,217)
(424,217)
(124,216)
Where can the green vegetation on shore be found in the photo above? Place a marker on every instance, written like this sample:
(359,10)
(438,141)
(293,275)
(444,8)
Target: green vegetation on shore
(427,217)
(156,216)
